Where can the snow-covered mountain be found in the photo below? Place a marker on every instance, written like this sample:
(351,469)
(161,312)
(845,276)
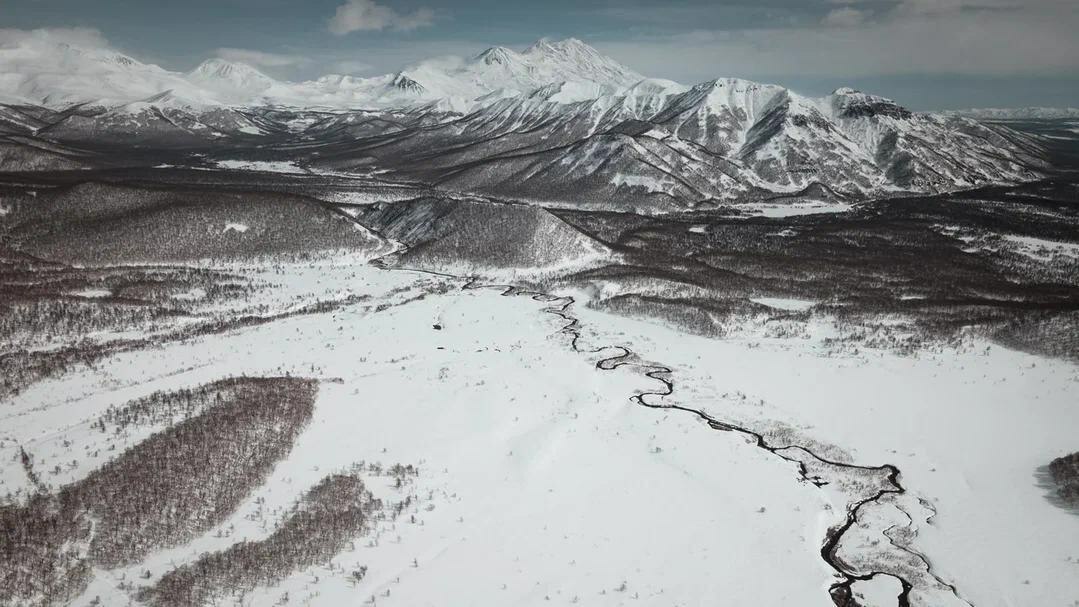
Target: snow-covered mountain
(41,71)
(234,82)
(496,73)
(659,146)
(556,122)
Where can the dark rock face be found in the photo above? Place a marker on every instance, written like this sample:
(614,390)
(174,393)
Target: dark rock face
(407,84)
(497,55)
(872,109)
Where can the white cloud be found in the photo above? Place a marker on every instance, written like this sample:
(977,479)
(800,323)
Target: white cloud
(943,7)
(75,36)
(929,7)
(991,38)
(845,17)
(368,15)
(261,58)
(350,66)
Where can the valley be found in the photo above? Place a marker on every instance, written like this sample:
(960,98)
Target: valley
(529,328)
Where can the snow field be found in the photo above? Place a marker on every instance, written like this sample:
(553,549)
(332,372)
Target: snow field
(539,480)
(967,429)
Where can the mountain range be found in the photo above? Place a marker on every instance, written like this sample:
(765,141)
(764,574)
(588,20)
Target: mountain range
(555,123)
(60,75)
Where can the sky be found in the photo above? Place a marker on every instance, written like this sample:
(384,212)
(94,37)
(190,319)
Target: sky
(926,54)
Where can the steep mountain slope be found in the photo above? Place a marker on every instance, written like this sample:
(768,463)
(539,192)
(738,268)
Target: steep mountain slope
(932,153)
(624,170)
(21,120)
(659,147)
(718,114)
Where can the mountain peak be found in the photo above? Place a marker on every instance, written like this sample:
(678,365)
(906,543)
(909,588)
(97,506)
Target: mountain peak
(404,83)
(230,70)
(231,81)
(567,46)
(497,55)
(571,59)
(849,103)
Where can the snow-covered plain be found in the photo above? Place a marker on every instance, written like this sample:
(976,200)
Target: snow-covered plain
(541,481)
(261,165)
(795,209)
(538,477)
(968,430)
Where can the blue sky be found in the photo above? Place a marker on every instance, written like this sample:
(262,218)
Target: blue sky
(925,53)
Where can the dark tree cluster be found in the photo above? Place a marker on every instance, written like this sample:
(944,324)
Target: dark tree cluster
(945,266)
(227,306)
(168,406)
(41,303)
(170,488)
(59,319)
(321,524)
(92,223)
(47,328)
(180,482)
(43,552)
(1065,474)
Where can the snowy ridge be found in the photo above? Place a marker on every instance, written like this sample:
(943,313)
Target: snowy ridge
(45,72)
(554,122)
(657,146)
(718,114)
